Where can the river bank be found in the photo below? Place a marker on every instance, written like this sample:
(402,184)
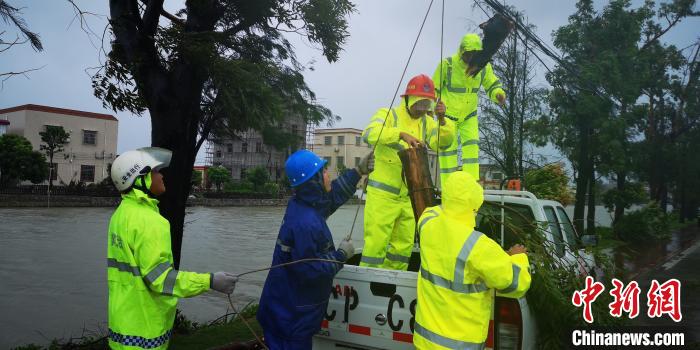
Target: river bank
(63,201)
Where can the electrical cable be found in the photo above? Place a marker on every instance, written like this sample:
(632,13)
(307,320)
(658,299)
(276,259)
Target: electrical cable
(391,104)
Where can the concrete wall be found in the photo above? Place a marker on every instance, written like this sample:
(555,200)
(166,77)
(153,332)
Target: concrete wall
(15,201)
(30,123)
(349,149)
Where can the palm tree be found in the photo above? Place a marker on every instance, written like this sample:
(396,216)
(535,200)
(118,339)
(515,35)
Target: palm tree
(10,15)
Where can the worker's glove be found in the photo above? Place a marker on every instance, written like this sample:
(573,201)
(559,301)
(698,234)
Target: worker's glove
(347,248)
(366,164)
(223,282)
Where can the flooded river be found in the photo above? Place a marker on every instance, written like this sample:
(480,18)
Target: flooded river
(53,264)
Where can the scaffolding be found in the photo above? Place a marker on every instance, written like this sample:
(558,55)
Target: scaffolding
(309,139)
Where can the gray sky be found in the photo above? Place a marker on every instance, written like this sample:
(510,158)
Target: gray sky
(363,80)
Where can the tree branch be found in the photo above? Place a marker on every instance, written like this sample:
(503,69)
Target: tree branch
(8,75)
(661,33)
(151,16)
(11,44)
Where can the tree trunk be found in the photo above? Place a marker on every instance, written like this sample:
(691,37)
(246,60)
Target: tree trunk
(619,203)
(590,218)
(52,170)
(172,130)
(582,179)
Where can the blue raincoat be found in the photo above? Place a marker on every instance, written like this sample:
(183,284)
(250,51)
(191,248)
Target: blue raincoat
(295,297)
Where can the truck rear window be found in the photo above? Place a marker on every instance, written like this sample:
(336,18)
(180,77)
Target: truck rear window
(519,222)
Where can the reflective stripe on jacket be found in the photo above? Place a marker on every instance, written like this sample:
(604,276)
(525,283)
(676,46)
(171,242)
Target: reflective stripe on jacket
(143,284)
(295,297)
(460,268)
(386,176)
(459,92)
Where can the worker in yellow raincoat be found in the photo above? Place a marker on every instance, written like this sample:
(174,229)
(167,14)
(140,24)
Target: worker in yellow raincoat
(389,224)
(143,284)
(460,268)
(459,91)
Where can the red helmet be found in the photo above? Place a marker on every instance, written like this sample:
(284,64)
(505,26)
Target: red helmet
(420,85)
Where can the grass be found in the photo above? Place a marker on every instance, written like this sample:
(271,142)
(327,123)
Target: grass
(215,336)
(607,239)
(188,335)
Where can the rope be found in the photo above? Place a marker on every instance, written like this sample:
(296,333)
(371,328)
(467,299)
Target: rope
(442,34)
(260,341)
(391,104)
(289,263)
(240,314)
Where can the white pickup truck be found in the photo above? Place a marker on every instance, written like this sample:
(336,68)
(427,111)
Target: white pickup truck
(373,308)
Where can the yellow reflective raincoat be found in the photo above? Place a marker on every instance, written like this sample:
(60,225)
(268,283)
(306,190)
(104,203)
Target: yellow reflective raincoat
(143,285)
(389,217)
(459,92)
(460,268)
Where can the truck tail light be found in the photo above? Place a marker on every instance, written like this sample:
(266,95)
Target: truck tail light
(509,324)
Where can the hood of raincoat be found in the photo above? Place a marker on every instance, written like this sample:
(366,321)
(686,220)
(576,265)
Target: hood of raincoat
(312,194)
(470,42)
(462,196)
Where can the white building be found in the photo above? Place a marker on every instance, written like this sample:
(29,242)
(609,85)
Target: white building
(88,154)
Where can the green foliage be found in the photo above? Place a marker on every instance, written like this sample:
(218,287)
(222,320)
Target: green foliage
(341,169)
(648,225)
(615,94)
(54,138)
(241,187)
(183,325)
(634,193)
(222,68)
(196,180)
(549,182)
(554,280)
(19,162)
(272,189)
(219,175)
(257,176)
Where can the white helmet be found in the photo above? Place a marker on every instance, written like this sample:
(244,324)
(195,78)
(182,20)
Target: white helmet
(129,165)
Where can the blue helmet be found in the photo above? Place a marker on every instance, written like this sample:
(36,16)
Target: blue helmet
(302,166)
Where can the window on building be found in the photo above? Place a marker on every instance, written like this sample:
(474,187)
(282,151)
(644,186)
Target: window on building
(87,173)
(218,154)
(357,162)
(358,141)
(497,176)
(340,162)
(53,169)
(243,173)
(229,148)
(244,147)
(258,147)
(341,140)
(327,140)
(89,137)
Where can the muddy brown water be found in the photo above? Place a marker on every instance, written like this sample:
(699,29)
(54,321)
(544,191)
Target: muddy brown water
(53,265)
(53,269)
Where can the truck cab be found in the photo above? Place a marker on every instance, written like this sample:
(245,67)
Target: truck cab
(373,308)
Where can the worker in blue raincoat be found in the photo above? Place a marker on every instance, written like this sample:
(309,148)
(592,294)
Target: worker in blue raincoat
(295,297)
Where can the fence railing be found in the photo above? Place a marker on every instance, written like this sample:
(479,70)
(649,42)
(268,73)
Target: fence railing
(88,191)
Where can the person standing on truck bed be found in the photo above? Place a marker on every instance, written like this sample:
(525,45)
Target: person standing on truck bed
(389,217)
(460,267)
(460,92)
(295,297)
